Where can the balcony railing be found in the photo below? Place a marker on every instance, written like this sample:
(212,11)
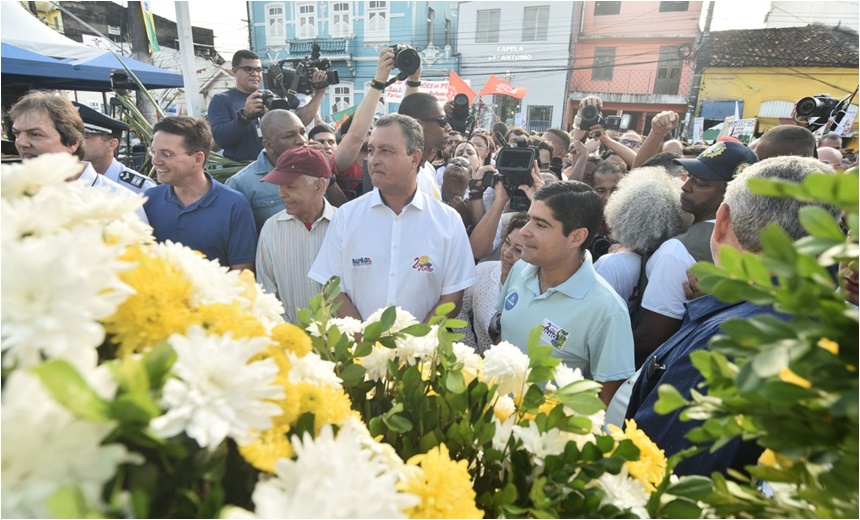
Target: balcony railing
(634,82)
(327,46)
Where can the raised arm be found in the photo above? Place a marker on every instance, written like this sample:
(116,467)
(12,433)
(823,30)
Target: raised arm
(661,124)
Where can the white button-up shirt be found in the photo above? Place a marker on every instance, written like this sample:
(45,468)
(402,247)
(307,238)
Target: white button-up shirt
(383,259)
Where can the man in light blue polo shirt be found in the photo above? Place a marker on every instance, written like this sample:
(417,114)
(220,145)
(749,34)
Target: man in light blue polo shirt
(555,286)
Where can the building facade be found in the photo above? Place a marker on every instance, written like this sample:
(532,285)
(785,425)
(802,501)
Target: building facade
(636,56)
(350,35)
(525,44)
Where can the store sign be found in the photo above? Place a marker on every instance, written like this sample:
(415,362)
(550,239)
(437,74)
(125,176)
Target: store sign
(510,53)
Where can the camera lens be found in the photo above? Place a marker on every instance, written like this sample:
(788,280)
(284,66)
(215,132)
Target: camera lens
(407,60)
(807,106)
(590,112)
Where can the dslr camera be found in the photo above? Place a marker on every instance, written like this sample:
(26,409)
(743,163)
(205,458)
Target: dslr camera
(406,59)
(286,82)
(591,116)
(820,109)
(462,119)
(513,168)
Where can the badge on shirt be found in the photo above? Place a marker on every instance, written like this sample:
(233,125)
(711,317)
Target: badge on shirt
(423,264)
(553,335)
(130,178)
(362,262)
(511,301)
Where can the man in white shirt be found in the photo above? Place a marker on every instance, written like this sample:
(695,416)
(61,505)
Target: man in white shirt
(396,245)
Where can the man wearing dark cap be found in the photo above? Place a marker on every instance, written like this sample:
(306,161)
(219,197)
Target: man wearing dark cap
(662,302)
(291,239)
(101,139)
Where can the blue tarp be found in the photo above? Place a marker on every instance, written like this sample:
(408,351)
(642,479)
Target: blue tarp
(22,67)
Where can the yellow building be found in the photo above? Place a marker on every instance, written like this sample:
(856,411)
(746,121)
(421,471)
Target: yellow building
(762,73)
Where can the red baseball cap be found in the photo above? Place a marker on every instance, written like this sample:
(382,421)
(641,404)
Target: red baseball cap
(296,162)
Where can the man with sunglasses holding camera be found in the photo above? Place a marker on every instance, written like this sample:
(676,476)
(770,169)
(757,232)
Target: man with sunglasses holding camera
(428,111)
(235,115)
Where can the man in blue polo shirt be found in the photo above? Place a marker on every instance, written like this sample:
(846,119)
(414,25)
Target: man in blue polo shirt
(192,208)
(555,286)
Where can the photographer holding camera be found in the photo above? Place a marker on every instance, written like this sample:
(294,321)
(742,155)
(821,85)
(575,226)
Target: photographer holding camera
(235,115)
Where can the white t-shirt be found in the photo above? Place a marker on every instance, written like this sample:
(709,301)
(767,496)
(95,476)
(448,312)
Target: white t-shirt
(621,270)
(667,271)
(385,259)
(427,181)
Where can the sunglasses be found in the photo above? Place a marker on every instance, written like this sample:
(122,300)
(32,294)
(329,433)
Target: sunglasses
(632,144)
(252,70)
(442,120)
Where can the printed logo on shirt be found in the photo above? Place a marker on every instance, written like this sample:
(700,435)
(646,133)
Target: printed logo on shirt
(553,334)
(362,262)
(423,264)
(511,301)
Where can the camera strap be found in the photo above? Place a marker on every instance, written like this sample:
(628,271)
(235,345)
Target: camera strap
(399,77)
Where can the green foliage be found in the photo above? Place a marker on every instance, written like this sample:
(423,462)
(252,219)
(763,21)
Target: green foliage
(788,384)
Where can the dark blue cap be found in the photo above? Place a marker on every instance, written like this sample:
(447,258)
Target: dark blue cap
(97,123)
(722,161)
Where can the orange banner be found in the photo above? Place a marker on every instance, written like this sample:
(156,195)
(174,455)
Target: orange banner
(496,86)
(456,85)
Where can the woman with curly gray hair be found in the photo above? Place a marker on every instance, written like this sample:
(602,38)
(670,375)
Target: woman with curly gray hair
(644,212)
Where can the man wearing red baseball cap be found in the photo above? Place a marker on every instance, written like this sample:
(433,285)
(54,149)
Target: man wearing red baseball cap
(290,240)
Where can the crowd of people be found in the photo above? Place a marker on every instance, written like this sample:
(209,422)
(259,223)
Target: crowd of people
(592,245)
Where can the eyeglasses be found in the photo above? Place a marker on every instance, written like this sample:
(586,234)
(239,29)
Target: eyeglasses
(252,70)
(165,154)
(442,120)
(459,161)
(632,144)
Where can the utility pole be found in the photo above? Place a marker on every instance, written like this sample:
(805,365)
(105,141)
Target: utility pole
(140,52)
(193,103)
(702,56)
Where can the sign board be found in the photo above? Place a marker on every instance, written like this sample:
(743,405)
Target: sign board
(742,129)
(844,128)
(439,90)
(698,128)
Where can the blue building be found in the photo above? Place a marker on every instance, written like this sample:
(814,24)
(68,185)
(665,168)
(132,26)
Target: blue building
(351,34)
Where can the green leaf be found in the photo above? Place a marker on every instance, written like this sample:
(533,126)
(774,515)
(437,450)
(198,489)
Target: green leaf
(575,424)
(769,362)
(669,400)
(681,508)
(158,362)
(694,487)
(397,423)
(820,223)
(389,316)
(584,404)
(777,244)
(627,450)
(67,502)
(372,332)
(352,374)
(134,408)
(455,382)
(364,348)
(68,388)
(418,330)
(533,398)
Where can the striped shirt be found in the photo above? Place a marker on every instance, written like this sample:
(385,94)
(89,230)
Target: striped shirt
(285,252)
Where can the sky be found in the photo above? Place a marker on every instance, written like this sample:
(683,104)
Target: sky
(228,18)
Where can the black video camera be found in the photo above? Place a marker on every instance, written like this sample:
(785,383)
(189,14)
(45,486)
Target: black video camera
(120,83)
(272,101)
(462,119)
(286,82)
(591,116)
(406,59)
(820,109)
(514,165)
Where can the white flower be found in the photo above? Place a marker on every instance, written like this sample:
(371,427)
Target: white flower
(210,281)
(624,492)
(331,478)
(540,445)
(473,363)
(216,393)
(26,178)
(55,289)
(310,368)
(402,319)
(412,349)
(564,375)
(45,447)
(504,430)
(348,326)
(506,366)
(376,363)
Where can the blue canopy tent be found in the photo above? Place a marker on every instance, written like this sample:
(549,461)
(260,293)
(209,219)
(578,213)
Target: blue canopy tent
(151,76)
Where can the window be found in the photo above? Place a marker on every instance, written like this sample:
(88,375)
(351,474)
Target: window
(668,71)
(341,97)
(275,24)
(307,16)
(488,26)
(604,63)
(535,23)
(431,23)
(605,8)
(540,118)
(377,21)
(668,7)
(341,19)
(447,32)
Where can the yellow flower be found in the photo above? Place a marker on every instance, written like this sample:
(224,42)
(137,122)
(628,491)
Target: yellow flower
(159,307)
(767,458)
(269,446)
(786,375)
(289,404)
(329,405)
(221,318)
(443,485)
(651,466)
(829,345)
(292,338)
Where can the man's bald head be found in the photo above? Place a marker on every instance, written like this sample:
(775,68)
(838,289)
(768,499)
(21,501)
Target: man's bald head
(785,140)
(831,156)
